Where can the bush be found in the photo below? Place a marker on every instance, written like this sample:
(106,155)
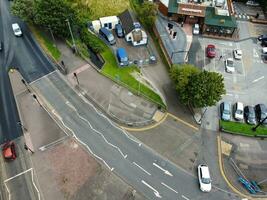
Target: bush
(92,41)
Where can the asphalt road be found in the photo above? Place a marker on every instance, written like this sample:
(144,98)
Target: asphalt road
(146,171)
(21,53)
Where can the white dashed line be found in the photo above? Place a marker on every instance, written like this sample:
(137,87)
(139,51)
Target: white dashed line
(169,187)
(256,80)
(141,168)
(185,197)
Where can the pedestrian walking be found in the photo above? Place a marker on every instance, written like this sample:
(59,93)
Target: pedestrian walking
(220,57)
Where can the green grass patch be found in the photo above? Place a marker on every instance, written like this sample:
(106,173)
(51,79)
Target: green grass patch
(123,77)
(242,128)
(46,43)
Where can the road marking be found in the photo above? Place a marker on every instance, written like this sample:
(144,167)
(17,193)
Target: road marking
(98,132)
(141,168)
(154,190)
(22,173)
(17,175)
(229,94)
(184,122)
(164,170)
(256,80)
(185,197)
(169,187)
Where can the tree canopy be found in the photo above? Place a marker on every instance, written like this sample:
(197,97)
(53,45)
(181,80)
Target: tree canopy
(195,87)
(147,14)
(25,9)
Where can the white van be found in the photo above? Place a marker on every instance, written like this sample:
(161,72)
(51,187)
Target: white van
(16,29)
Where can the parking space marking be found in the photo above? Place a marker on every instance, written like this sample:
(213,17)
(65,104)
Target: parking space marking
(169,187)
(258,79)
(17,175)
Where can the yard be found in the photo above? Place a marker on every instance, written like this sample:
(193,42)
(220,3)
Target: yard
(101,8)
(123,77)
(242,128)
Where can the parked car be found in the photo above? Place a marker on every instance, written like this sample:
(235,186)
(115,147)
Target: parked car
(261,113)
(264,43)
(249,114)
(229,65)
(196,29)
(264,58)
(226,111)
(238,111)
(16,29)
(204,178)
(252,3)
(264,50)
(262,37)
(119,30)
(122,57)
(237,54)
(107,34)
(8,150)
(211,51)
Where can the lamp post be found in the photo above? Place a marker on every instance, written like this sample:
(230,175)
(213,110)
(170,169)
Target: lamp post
(75,75)
(73,41)
(35,97)
(24,82)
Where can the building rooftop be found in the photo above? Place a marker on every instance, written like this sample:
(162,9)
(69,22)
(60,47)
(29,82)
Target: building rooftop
(211,18)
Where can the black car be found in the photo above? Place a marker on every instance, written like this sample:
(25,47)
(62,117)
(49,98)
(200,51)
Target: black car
(249,114)
(261,113)
(262,37)
(119,30)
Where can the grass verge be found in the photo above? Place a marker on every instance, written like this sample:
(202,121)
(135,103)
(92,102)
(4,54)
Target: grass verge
(123,77)
(46,43)
(242,128)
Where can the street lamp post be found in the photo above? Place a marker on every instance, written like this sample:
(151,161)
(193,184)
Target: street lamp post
(75,75)
(73,41)
(35,97)
(24,82)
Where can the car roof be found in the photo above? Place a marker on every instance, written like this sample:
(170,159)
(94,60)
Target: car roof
(239,105)
(205,171)
(15,25)
(230,59)
(239,51)
(226,105)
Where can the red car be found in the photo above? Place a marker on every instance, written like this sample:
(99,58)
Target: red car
(9,151)
(211,51)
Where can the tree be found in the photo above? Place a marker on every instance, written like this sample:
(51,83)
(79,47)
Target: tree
(25,9)
(197,88)
(53,14)
(147,14)
(92,41)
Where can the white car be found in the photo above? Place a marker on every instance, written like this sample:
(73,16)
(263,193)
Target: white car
(238,111)
(229,65)
(238,54)
(16,29)
(196,29)
(252,3)
(204,178)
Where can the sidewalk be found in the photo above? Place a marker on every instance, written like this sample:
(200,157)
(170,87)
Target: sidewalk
(117,102)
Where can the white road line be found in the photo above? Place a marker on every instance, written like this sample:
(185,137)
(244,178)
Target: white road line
(98,132)
(98,157)
(185,197)
(154,190)
(22,173)
(142,168)
(229,94)
(169,187)
(164,170)
(17,175)
(256,80)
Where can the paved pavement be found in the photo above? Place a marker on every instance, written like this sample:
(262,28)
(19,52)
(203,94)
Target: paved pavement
(139,166)
(175,47)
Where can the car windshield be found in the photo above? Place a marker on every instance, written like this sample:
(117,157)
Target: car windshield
(240,112)
(230,63)
(211,49)
(227,112)
(17,30)
(110,37)
(206,180)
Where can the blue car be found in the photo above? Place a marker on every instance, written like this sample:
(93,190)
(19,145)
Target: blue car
(122,57)
(226,111)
